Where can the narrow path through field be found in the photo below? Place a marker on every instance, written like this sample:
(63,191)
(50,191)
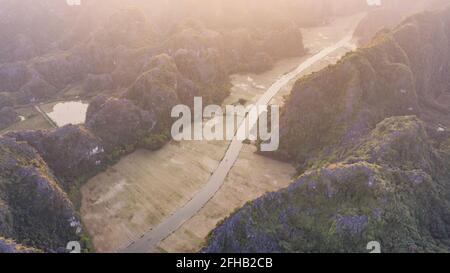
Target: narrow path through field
(46,117)
(150,239)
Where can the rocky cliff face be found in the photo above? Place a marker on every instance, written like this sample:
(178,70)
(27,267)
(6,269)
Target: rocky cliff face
(120,123)
(392,188)
(34,209)
(70,151)
(402,72)
(369,137)
(155,90)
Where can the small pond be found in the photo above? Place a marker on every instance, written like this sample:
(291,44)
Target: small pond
(68,112)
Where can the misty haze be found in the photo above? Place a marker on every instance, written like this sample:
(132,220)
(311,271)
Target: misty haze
(350,155)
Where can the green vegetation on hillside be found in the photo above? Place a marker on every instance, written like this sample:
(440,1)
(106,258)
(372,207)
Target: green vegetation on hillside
(34,210)
(367,136)
(393,188)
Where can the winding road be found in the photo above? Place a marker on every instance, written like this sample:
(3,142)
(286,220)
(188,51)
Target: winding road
(46,117)
(148,242)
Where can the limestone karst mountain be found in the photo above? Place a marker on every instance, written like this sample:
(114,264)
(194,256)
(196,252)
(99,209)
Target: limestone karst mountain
(34,210)
(373,159)
(132,65)
(392,188)
(367,135)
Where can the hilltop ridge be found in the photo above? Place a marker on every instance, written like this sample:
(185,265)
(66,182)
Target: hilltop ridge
(368,136)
